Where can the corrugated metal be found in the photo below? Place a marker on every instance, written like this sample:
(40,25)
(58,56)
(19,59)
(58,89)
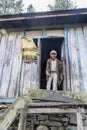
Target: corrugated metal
(47,20)
(77,10)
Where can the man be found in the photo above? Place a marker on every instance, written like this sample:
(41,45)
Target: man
(54,71)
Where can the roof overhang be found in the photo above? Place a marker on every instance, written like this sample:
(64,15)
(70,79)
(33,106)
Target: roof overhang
(47,20)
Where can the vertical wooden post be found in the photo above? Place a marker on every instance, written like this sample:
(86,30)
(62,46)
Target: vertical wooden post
(20,74)
(64,65)
(79,120)
(79,60)
(22,120)
(68,74)
(44,32)
(39,64)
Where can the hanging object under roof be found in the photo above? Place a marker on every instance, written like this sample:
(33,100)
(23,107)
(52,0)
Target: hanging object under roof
(28,49)
(3,31)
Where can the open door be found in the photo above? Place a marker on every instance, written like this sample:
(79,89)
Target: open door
(48,44)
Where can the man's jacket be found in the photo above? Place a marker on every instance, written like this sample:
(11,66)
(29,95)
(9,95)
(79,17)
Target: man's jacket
(59,68)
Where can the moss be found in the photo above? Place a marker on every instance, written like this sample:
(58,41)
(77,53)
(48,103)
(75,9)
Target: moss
(27,99)
(74,95)
(40,94)
(37,94)
(34,94)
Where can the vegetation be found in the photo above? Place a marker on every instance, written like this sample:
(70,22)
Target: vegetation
(13,7)
(77,96)
(30,9)
(62,5)
(40,94)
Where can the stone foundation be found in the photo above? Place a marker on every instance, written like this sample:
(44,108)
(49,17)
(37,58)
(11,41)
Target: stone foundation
(53,122)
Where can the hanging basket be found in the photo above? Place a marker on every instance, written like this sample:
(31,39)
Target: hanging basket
(28,49)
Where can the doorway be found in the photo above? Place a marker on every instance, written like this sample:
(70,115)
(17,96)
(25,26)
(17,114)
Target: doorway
(48,44)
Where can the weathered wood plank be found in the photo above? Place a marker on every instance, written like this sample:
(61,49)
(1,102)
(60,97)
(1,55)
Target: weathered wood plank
(64,65)
(75,86)
(59,33)
(3,46)
(21,79)
(11,114)
(33,33)
(85,42)
(84,29)
(38,64)
(33,76)
(79,120)
(30,78)
(15,69)
(51,110)
(84,65)
(55,104)
(83,57)
(67,59)
(79,59)
(22,121)
(27,76)
(7,100)
(8,64)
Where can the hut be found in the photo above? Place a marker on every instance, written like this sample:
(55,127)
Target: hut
(64,31)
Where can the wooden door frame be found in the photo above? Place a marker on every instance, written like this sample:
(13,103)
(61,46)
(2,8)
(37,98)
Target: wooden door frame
(39,60)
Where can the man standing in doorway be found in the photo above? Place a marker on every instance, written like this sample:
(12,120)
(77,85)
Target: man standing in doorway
(54,71)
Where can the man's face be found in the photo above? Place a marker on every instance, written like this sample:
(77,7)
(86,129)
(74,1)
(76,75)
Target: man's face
(53,56)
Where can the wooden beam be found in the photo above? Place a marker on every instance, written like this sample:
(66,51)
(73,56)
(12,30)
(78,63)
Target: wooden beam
(7,100)
(35,17)
(68,74)
(48,104)
(11,114)
(39,63)
(79,120)
(79,60)
(52,110)
(22,120)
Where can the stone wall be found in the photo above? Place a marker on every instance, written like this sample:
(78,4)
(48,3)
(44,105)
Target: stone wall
(53,122)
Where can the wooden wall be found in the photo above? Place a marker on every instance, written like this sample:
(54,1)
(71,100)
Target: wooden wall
(77,43)
(16,76)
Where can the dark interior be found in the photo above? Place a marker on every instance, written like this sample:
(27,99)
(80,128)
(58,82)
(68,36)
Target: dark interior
(35,41)
(48,44)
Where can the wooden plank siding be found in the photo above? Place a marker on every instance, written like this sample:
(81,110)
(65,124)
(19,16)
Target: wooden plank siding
(73,61)
(17,76)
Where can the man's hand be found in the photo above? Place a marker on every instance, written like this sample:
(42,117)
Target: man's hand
(62,77)
(47,73)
